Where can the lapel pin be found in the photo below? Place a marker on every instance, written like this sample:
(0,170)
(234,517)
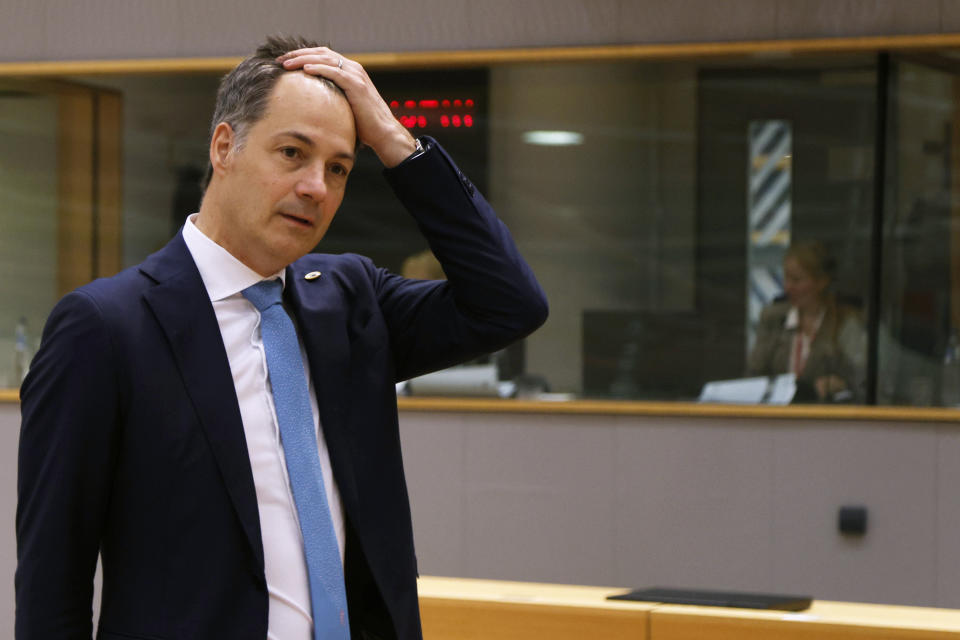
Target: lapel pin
(313,275)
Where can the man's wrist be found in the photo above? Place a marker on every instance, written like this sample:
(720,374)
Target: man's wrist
(397,149)
(416,152)
(422,148)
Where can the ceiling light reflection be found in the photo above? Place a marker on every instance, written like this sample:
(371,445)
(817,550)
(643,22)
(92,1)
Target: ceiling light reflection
(553,138)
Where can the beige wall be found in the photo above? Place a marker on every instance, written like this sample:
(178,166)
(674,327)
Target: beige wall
(61,30)
(642,501)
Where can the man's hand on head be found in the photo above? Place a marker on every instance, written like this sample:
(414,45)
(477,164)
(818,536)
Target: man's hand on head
(376,125)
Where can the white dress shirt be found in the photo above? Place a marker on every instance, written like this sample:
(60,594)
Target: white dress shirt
(225,278)
(800,349)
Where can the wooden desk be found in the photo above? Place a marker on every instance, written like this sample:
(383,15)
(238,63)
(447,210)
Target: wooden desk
(822,621)
(467,609)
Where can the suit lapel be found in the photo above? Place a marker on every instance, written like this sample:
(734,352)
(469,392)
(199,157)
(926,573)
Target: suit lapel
(183,309)
(321,314)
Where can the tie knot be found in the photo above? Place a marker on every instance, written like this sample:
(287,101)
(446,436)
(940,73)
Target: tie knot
(264,294)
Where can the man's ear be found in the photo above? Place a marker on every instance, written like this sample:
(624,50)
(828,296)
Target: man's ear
(222,144)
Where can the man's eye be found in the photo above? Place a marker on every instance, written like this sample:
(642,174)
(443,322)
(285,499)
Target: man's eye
(339,170)
(290,152)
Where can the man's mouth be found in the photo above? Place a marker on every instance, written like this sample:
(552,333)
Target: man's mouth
(303,221)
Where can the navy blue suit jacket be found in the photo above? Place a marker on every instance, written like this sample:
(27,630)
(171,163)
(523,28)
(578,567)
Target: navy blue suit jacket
(132,443)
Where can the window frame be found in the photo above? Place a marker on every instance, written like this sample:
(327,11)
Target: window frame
(416,60)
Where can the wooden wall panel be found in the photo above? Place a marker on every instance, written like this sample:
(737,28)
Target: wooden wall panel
(109,181)
(75,191)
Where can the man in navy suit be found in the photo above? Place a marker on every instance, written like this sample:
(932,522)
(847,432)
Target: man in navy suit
(149,433)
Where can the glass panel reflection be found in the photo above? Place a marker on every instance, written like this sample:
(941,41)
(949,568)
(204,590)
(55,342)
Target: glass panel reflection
(691,221)
(818,190)
(28,225)
(917,333)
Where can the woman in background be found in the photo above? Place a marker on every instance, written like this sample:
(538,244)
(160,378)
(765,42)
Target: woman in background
(810,333)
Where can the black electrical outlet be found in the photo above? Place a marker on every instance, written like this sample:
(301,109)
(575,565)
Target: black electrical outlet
(852,520)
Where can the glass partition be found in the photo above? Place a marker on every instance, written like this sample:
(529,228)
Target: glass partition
(705,227)
(918,351)
(28,222)
(59,204)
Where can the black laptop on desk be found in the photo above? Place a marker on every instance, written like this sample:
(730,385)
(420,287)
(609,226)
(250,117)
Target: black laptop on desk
(718,599)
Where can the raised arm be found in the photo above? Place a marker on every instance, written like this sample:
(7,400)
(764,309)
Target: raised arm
(491,297)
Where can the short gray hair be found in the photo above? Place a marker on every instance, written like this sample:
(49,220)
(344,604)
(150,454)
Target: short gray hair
(244,92)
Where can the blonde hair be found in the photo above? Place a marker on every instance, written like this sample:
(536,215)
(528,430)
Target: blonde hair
(814,259)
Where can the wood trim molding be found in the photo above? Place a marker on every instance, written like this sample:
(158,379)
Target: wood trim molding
(435,59)
(657,409)
(75,193)
(681,409)
(108,184)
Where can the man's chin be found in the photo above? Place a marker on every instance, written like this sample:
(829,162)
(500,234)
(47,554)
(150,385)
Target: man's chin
(289,252)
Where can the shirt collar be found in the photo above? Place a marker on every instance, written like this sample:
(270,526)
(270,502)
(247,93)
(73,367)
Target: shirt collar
(792,320)
(222,274)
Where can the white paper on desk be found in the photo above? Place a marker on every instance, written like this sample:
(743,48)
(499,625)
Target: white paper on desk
(782,389)
(739,391)
(464,380)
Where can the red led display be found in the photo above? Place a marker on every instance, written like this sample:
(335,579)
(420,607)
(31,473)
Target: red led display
(423,113)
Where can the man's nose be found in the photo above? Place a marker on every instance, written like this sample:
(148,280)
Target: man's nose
(312,185)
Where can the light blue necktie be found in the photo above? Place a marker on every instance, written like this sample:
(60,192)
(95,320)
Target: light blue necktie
(291,397)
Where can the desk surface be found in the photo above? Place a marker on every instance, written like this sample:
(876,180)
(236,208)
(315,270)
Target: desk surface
(467,609)
(542,593)
(824,620)
(461,609)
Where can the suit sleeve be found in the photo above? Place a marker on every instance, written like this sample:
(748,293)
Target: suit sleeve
(490,298)
(67,449)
